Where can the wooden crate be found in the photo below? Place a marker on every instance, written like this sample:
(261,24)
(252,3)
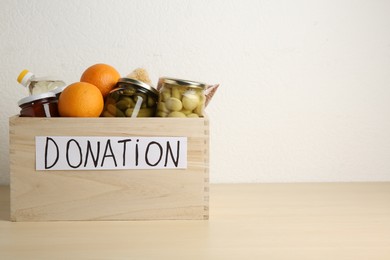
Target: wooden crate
(133,194)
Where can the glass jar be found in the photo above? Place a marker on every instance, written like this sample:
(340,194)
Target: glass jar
(39,105)
(131,98)
(180,98)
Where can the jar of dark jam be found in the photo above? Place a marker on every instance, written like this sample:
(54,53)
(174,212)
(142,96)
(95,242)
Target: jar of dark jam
(131,98)
(39,105)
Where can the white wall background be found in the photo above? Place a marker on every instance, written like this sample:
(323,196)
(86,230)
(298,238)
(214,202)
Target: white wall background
(305,92)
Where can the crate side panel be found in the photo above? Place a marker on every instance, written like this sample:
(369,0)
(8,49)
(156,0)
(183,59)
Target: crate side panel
(107,195)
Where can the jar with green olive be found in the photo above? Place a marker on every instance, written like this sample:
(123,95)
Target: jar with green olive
(180,98)
(131,98)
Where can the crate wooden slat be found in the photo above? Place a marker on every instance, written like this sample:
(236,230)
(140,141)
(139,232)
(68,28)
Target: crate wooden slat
(108,194)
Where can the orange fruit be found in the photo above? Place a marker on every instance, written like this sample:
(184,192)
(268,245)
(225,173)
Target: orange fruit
(81,99)
(103,76)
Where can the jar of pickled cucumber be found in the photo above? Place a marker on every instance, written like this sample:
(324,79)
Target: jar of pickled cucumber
(131,98)
(180,98)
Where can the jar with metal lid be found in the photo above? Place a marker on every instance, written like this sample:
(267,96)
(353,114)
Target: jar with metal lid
(39,105)
(131,98)
(180,98)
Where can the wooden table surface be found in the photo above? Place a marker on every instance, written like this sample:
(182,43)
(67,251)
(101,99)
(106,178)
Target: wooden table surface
(247,221)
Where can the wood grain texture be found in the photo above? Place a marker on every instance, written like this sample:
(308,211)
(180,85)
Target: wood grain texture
(103,194)
(294,221)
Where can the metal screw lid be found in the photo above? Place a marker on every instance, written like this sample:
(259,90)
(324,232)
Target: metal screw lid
(182,82)
(139,84)
(36,97)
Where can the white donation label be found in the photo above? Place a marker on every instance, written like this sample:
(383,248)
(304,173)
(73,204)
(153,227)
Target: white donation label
(110,153)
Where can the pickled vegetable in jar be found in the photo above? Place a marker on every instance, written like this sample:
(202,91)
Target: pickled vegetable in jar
(131,98)
(180,98)
(39,105)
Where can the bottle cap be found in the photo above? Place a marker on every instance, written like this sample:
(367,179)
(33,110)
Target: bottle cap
(24,77)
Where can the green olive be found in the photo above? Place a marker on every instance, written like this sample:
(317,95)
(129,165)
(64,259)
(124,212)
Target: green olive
(176,93)
(173,104)
(161,114)
(176,114)
(186,112)
(190,101)
(200,108)
(162,107)
(166,94)
(192,115)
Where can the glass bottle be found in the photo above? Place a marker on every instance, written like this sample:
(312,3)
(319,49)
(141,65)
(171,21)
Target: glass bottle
(38,85)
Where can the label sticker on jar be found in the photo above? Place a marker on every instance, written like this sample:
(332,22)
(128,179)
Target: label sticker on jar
(110,153)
